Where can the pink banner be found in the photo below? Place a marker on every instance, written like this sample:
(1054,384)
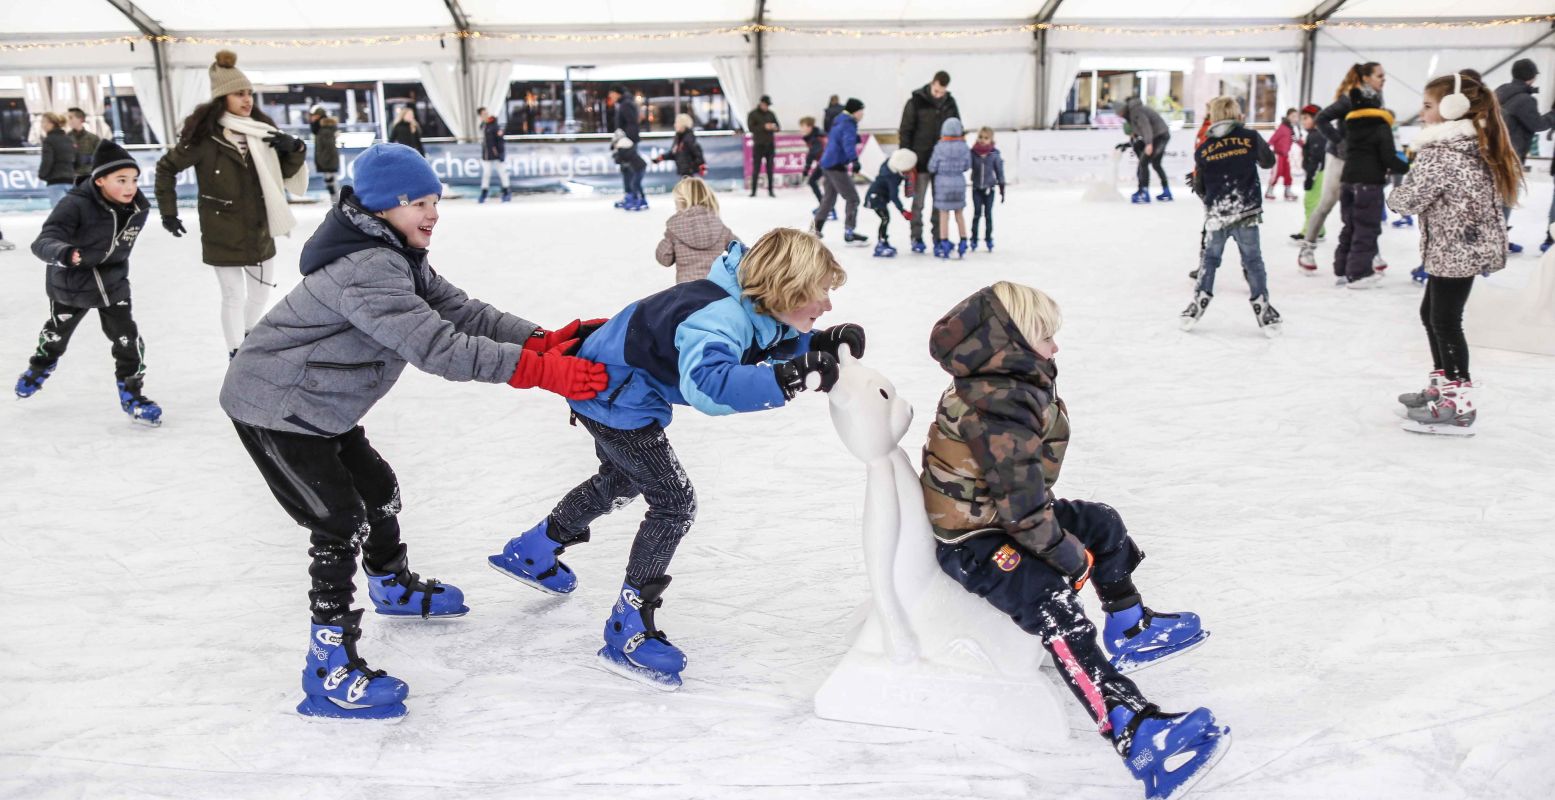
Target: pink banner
(790,153)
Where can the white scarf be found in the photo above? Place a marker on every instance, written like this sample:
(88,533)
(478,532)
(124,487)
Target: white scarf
(267,163)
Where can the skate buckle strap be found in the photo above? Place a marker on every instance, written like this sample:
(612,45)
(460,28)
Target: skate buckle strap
(353,661)
(1125,741)
(413,583)
(1145,618)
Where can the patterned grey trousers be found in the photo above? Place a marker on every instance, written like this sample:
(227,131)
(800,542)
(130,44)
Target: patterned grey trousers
(632,463)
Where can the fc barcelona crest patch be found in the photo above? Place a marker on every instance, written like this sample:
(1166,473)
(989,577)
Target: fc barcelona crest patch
(1007,558)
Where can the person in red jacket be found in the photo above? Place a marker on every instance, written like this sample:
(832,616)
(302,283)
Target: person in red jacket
(1280,142)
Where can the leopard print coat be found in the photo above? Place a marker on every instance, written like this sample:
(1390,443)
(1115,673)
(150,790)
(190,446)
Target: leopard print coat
(1462,233)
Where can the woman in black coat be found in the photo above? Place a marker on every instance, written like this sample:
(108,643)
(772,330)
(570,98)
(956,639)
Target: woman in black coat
(58,168)
(407,131)
(686,151)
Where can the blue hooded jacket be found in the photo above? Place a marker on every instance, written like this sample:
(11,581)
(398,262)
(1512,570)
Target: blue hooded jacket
(700,344)
(841,143)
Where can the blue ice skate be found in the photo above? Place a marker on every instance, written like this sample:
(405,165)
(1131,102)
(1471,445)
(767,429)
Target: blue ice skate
(639,203)
(1141,196)
(339,684)
(883,249)
(398,592)
(942,248)
(989,242)
(624,201)
(974,243)
(1419,275)
(1169,753)
(1138,637)
(919,247)
(141,409)
(1166,195)
(29,382)
(531,558)
(961,249)
(634,647)
(1514,248)
(1404,221)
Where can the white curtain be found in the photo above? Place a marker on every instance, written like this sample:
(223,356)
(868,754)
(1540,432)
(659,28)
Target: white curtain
(149,91)
(492,80)
(1062,65)
(191,87)
(1287,80)
(442,84)
(737,76)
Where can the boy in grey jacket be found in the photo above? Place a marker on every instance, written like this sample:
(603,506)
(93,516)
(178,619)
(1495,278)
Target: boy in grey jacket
(368,304)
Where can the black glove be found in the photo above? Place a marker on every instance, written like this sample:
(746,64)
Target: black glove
(171,224)
(831,340)
(284,143)
(1123,146)
(1001,195)
(793,375)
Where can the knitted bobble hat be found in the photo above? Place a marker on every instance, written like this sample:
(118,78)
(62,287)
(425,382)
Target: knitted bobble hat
(226,78)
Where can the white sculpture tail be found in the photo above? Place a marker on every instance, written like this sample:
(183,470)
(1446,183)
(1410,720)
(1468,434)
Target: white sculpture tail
(930,655)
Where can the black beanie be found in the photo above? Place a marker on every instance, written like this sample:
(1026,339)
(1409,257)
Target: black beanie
(109,158)
(853,104)
(1523,69)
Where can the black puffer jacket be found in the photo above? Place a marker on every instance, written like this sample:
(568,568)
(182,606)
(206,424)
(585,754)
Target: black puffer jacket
(922,117)
(1520,111)
(104,233)
(59,158)
(1370,154)
(686,152)
(1313,154)
(1331,122)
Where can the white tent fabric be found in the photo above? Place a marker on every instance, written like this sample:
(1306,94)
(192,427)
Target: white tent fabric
(1061,68)
(442,84)
(149,91)
(491,80)
(191,87)
(737,75)
(1287,77)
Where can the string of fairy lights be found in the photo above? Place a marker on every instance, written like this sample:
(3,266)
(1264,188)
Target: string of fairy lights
(786,30)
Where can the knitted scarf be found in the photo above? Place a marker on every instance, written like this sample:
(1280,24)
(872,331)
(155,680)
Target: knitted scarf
(267,164)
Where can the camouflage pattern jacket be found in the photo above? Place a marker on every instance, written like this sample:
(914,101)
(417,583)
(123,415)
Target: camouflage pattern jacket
(998,439)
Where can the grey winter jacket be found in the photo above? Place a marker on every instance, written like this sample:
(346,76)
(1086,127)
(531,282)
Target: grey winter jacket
(1143,119)
(368,304)
(1520,111)
(949,164)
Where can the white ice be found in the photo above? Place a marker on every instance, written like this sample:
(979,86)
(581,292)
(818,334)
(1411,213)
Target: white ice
(1381,602)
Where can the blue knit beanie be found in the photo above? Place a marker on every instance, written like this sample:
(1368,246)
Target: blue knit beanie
(390,175)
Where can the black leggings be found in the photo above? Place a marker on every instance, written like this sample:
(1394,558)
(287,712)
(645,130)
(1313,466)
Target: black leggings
(1157,152)
(632,463)
(885,222)
(1441,311)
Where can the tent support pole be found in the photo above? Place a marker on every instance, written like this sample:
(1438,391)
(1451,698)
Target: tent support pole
(466,87)
(154,31)
(761,48)
(1043,110)
(1314,21)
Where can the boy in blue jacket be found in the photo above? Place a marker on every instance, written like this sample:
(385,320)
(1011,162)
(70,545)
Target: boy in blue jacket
(838,163)
(886,191)
(739,340)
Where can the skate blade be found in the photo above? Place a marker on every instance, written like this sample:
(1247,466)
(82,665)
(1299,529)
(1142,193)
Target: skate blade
(146,423)
(1186,323)
(1126,665)
(1272,331)
(416,615)
(617,664)
(1218,744)
(496,564)
(1438,429)
(321,708)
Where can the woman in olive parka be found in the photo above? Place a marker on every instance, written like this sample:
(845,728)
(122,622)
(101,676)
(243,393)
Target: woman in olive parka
(243,167)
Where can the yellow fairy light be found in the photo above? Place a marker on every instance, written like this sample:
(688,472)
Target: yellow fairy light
(850,33)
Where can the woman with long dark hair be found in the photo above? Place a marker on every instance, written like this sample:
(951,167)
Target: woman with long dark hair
(243,166)
(1369,78)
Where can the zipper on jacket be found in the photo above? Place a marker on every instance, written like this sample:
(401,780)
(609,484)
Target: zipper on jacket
(338,365)
(216,200)
(98,276)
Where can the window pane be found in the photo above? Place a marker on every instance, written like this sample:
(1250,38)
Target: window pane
(1267,98)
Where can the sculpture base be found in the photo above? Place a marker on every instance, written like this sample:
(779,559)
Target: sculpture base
(868,688)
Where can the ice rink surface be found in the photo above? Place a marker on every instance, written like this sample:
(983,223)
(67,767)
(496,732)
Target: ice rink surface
(1381,602)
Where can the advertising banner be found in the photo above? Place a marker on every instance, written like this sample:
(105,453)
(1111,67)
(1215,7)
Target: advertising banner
(532,167)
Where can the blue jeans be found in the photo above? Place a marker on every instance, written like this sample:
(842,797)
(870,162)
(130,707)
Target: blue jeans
(1252,259)
(57,192)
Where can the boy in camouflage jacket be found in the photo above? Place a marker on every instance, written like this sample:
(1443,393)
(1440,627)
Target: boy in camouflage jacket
(993,454)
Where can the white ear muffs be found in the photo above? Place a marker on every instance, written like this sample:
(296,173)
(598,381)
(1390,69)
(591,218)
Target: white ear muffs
(1455,105)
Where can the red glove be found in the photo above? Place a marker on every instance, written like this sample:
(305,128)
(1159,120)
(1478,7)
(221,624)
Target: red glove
(702,170)
(569,376)
(907,215)
(544,341)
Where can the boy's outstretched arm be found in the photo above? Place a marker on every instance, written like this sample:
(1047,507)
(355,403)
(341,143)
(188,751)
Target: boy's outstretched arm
(473,317)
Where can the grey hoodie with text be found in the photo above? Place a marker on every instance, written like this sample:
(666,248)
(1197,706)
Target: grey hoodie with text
(367,305)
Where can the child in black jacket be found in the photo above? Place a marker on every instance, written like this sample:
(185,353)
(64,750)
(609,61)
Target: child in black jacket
(685,150)
(86,243)
(1370,157)
(815,145)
